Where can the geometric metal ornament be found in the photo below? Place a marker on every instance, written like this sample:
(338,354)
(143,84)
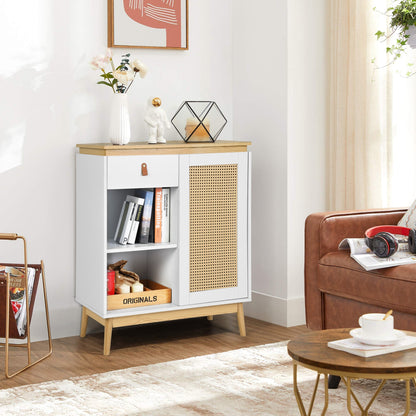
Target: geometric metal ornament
(199,121)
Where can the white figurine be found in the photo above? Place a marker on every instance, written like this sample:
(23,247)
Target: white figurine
(157,120)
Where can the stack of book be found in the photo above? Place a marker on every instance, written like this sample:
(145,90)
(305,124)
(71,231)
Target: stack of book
(355,347)
(145,217)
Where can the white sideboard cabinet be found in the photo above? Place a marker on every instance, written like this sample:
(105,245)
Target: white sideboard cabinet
(204,270)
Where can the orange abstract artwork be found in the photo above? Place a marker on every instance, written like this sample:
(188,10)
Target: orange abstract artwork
(148,23)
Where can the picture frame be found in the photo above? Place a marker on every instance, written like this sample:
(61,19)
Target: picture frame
(160,24)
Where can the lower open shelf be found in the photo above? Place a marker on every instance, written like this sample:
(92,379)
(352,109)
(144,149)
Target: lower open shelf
(167,315)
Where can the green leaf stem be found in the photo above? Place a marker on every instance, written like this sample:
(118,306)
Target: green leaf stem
(402,16)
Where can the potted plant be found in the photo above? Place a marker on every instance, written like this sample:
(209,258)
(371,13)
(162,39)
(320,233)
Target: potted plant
(403,26)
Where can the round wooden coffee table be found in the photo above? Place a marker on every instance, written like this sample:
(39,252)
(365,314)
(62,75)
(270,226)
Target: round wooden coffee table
(311,351)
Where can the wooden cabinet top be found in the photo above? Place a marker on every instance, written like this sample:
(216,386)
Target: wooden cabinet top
(171,147)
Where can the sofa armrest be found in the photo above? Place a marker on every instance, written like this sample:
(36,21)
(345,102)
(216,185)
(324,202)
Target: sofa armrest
(323,233)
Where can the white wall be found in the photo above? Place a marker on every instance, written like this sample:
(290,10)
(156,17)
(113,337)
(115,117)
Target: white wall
(50,102)
(307,130)
(265,70)
(260,106)
(279,103)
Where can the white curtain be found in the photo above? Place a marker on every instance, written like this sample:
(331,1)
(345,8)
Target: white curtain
(372,134)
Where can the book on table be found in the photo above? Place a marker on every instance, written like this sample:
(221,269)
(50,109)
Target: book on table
(355,347)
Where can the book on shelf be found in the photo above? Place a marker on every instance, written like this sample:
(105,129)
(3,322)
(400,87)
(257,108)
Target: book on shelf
(355,347)
(158,215)
(152,224)
(137,215)
(369,261)
(124,222)
(165,228)
(144,229)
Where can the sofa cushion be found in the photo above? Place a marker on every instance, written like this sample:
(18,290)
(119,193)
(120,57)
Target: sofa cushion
(393,287)
(409,218)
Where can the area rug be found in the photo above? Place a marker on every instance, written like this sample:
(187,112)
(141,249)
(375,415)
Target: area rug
(249,381)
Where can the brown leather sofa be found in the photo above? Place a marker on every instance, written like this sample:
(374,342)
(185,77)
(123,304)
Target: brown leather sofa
(337,289)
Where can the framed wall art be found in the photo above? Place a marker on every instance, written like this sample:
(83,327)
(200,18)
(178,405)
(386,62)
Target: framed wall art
(148,24)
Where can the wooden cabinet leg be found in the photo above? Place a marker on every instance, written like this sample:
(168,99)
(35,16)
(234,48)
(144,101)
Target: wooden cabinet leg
(108,329)
(210,317)
(240,319)
(84,321)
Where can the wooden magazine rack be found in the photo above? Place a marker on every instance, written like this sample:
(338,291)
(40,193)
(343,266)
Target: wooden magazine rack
(8,324)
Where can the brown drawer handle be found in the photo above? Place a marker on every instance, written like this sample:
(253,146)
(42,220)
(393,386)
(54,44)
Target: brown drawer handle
(144,169)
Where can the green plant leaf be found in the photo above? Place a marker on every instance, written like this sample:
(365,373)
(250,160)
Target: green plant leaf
(104,83)
(380,34)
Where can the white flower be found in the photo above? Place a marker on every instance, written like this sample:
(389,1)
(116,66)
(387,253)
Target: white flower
(119,80)
(100,61)
(97,62)
(124,76)
(139,67)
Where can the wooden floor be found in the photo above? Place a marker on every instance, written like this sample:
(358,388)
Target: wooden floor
(141,345)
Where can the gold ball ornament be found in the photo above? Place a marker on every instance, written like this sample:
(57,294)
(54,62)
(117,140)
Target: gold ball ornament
(157,102)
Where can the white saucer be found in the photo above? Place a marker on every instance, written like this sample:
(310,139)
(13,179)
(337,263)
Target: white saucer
(357,334)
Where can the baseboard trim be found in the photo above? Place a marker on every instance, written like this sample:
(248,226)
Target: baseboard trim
(284,312)
(65,322)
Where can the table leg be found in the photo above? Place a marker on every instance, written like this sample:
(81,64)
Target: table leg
(314,394)
(296,390)
(367,408)
(348,383)
(407,397)
(108,329)
(84,322)
(364,411)
(240,320)
(299,397)
(350,394)
(326,395)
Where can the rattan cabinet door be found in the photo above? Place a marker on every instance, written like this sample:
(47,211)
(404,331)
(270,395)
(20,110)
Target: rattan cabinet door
(213,227)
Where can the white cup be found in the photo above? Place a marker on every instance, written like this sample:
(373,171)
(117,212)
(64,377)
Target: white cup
(374,326)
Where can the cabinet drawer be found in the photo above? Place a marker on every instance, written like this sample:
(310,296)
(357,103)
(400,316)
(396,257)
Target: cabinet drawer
(125,172)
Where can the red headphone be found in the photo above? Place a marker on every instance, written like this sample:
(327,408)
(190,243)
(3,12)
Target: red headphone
(381,240)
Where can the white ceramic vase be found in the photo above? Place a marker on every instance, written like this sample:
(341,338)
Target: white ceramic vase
(120,120)
(411,41)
